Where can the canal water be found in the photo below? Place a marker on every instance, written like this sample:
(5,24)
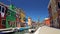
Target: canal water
(23,32)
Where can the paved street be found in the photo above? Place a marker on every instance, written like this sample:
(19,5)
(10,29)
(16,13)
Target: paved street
(47,30)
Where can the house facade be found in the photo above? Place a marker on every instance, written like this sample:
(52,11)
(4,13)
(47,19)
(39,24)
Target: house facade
(3,10)
(54,13)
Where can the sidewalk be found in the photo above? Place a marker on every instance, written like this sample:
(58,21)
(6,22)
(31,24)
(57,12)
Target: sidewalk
(47,30)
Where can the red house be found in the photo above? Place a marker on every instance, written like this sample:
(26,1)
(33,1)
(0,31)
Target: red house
(3,9)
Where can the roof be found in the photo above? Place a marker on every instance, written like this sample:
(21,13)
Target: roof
(46,18)
(49,4)
(3,4)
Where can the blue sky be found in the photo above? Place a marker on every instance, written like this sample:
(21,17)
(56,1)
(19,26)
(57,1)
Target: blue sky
(32,8)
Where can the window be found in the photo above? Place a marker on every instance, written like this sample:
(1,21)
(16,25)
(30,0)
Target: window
(24,19)
(8,12)
(11,24)
(58,4)
(2,9)
(4,22)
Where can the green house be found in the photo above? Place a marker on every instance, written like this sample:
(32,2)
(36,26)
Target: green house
(11,17)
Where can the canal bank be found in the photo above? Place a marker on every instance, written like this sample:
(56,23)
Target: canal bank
(22,32)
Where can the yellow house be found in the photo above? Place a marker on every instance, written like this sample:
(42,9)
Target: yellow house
(22,16)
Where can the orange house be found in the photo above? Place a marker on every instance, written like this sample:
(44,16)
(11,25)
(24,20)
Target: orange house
(47,21)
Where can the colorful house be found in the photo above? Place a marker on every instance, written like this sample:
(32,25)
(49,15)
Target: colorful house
(29,21)
(54,13)
(7,16)
(11,17)
(47,21)
(3,10)
(21,18)
(18,18)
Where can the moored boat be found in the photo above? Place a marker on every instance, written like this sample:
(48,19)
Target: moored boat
(22,28)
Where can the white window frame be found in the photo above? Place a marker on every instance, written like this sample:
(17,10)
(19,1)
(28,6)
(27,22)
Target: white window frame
(4,9)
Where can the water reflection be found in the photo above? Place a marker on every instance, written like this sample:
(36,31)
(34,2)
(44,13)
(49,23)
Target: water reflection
(22,32)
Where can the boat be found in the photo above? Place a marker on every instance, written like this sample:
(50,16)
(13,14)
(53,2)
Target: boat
(32,30)
(22,28)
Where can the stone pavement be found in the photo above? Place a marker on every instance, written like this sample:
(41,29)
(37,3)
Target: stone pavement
(47,30)
(28,33)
